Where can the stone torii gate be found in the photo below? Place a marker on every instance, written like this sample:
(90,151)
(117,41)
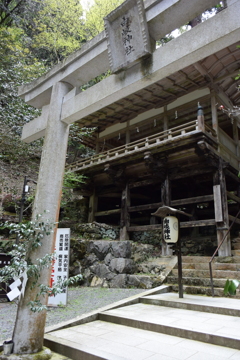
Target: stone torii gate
(57,93)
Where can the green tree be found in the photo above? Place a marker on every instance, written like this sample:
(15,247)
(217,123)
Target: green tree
(17,66)
(95,15)
(58,29)
(9,11)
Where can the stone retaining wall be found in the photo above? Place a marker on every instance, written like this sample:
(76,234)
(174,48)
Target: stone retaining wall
(116,264)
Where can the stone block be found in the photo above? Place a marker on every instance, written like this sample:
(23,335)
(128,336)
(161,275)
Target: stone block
(98,282)
(102,271)
(108,259)
(119,281)
(89,260)
(122,266)
(101,248)
(140,281)
(121,249)
(133,280)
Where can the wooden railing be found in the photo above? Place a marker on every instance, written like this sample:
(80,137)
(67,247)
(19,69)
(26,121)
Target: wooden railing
(142,145)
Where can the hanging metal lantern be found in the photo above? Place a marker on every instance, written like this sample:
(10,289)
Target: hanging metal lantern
(170,229)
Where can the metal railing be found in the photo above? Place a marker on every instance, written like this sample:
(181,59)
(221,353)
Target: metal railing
(215,252)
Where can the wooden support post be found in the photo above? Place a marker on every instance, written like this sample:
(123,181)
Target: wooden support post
(166,200)
(214,112)
(93,203)
(97,144)
(235,136)
(200,119)
(165,121)
(220,199)
(128,139)
(125,220)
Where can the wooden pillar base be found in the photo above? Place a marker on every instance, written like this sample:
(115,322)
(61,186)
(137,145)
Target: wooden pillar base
(225,249)
(125,202)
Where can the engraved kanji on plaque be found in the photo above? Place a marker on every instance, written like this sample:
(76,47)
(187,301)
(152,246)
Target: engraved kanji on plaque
(127,34)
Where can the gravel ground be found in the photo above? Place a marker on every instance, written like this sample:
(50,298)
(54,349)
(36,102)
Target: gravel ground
(81,300)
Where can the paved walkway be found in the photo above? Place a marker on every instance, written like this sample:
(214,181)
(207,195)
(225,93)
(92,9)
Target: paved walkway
(110,338)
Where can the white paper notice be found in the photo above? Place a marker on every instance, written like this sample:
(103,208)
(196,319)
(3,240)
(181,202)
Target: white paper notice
(13,294)
(15,284)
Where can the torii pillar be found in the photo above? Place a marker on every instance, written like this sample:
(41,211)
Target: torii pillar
(29,326)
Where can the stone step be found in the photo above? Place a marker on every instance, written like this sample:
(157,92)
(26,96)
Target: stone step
(220,283)
(236,246)
(236,252)
(204,290)
(218,274)
(205,259)
(157,326)
(199,290)
(185,324)
(195,259)
(236,259)
(209,305)
(215,266)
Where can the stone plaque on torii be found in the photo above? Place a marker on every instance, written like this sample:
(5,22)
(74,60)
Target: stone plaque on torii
(127,34)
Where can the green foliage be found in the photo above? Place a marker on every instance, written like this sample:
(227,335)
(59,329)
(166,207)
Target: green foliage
(231,287)
(9,10)
(95,80)
(72,180)
(16,67)
(31,235)
(58,30)
(94,16)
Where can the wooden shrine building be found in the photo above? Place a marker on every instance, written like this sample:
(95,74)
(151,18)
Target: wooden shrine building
(167,119)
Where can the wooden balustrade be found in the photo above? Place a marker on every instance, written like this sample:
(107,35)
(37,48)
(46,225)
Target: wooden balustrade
(142,144)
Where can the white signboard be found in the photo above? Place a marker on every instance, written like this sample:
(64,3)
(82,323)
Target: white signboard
(60,266)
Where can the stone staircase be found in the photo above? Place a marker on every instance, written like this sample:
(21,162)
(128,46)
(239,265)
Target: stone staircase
(154,325)
(236,247)
(196,276)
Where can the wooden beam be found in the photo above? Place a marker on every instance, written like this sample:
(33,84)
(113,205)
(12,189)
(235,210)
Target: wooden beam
(195,223)
(108,212)
(185,224)
(189,173)
(144,207)
(233,176)
(233,197)
(217,203)
(145,227)
(192,200)
(232,218)
(142,183)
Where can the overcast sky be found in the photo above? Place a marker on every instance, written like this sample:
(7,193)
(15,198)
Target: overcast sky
(86,3)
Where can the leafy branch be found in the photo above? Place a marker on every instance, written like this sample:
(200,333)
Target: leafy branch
(31,235)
